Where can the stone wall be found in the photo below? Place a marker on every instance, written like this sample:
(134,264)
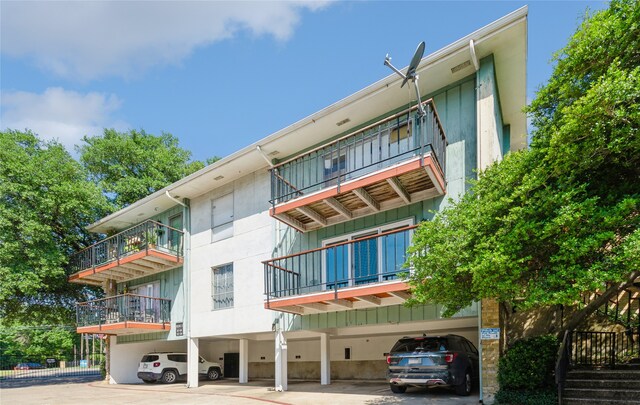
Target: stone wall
(491,349)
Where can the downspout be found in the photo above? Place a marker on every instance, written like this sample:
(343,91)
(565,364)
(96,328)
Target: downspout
(476,65)
(264,155)
(175,200)
(186,264)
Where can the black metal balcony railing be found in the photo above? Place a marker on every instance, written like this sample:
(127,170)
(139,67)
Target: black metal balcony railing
(372,148)
(366,260)
(123,308)
(146,235)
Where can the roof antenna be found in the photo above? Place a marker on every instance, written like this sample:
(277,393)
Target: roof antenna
(411,74)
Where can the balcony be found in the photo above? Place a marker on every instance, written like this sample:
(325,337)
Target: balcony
(388,164)
(145,249)
(362,272)
(124,314)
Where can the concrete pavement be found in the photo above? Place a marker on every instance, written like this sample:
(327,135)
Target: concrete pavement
(222,392)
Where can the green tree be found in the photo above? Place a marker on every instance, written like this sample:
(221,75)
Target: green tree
(131,165)
(548,224)
(22,342)
(45,204)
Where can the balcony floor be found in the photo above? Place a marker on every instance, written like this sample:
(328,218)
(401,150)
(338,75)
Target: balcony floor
(125,328)
(357,297)
(402,184)
(136,265)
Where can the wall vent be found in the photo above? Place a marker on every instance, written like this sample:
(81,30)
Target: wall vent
(461,66)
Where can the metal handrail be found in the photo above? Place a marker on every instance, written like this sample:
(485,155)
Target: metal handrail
(127,242)
(308,172)
(123,308)
(349,242)
(129,229)
(562,363)
(429,102)
(308,271)
(121,295)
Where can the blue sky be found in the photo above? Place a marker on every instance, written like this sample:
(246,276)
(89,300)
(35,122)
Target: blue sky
(221,75)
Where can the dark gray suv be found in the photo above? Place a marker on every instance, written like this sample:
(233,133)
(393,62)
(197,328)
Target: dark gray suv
(425,361)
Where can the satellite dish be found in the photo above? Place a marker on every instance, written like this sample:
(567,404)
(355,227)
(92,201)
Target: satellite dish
(411,73)
(411,70)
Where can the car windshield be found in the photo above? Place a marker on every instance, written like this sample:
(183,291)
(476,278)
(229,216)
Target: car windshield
(420,345)
(149,358)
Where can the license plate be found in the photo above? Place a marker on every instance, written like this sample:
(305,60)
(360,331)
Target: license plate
(415,361)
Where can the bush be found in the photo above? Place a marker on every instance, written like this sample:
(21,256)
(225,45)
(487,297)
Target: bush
(540,397)
(529,364)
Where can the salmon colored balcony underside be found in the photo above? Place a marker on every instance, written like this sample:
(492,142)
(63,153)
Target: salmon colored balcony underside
(401,184)
(136,265)
(367,296)
(125,328)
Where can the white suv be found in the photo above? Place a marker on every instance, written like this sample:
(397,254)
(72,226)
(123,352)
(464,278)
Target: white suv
(169,367)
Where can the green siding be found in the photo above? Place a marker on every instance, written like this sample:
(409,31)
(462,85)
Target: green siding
(456,108)
(143,337)
(506,139)
(370,316)
(171,287)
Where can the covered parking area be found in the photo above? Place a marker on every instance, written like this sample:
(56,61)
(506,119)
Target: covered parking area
(321,355)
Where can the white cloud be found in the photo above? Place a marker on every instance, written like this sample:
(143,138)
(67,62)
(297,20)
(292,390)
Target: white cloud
(89,39)
(60,114)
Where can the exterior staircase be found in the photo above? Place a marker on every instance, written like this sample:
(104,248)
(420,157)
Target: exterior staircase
(603,367)
(602,387)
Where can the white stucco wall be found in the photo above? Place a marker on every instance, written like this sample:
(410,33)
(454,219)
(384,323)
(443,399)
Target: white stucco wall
(250,244)
(126,357)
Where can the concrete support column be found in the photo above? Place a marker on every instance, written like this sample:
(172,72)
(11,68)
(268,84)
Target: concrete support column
(325,359)
(193,362)
(281,361)
(243,376)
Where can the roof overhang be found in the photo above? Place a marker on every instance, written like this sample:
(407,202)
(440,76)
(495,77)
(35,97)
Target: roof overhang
(505,39)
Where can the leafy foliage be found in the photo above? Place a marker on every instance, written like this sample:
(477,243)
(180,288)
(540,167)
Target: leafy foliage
(525,372)
(528,364)
(129,166)
(549,223)
(521,397)
(33,342)
(45,203)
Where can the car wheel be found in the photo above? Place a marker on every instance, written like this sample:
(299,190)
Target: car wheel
(213,374)
(169,377)
(397,389)
(149,381)
(465,387)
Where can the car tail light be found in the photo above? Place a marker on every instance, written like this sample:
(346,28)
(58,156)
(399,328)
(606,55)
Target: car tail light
(450,357)
(388,359)
(156,364)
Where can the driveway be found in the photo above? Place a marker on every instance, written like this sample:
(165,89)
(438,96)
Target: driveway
(75,391)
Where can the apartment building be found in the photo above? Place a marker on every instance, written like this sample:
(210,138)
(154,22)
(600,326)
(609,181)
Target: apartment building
(285,260)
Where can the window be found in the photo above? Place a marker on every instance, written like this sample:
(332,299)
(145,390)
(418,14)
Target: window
(222,217)
(178,358)
(222,287)
(368,259)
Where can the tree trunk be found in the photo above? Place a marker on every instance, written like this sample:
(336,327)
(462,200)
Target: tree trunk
(581,315)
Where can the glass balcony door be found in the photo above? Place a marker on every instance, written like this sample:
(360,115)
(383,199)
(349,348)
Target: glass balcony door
(364,258)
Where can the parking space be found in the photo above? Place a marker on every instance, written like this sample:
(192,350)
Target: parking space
(227,392)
